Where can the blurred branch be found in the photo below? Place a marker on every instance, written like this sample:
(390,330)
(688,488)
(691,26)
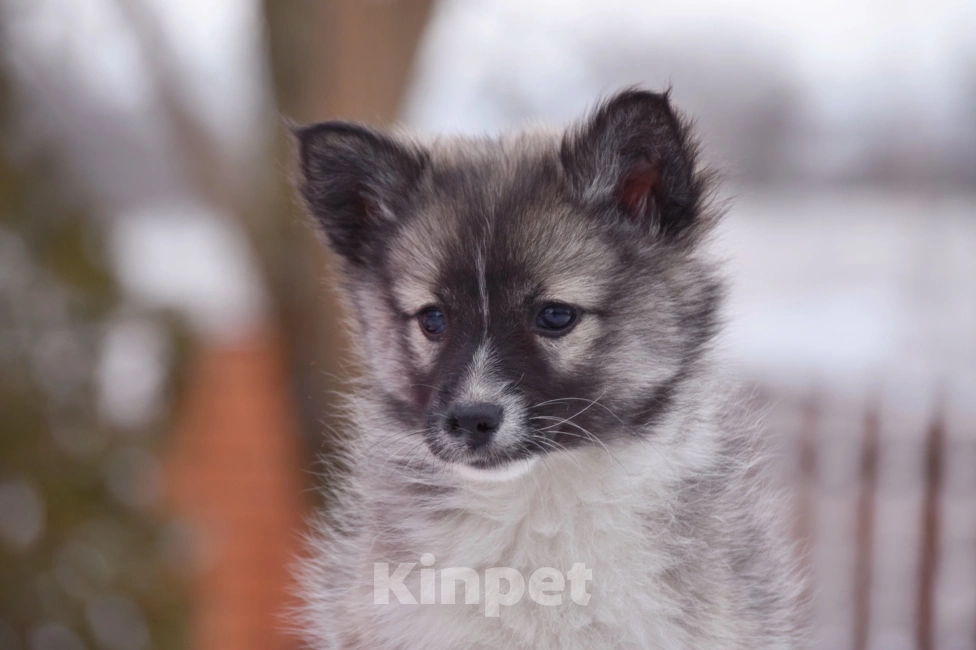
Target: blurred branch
(200,155)
(251,197)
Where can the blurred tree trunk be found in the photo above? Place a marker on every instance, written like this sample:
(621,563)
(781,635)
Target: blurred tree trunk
(348,59)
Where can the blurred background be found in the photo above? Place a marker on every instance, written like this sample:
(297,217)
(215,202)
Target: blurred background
(169,347)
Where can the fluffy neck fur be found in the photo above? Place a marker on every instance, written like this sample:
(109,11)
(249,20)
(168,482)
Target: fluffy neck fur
(675,525)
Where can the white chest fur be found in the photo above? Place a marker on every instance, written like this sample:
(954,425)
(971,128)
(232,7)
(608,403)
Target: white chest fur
(599,523)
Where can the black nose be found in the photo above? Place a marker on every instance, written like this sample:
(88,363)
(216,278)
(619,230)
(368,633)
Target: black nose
(476,423)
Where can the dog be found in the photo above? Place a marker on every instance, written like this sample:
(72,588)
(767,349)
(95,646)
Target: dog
(539,404)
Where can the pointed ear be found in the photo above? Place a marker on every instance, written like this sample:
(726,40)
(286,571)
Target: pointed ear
(356,182)
(634,156)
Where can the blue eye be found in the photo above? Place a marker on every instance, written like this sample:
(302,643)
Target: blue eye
(555,319)
(433,322)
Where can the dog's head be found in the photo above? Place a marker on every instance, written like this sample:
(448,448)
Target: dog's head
(519,296)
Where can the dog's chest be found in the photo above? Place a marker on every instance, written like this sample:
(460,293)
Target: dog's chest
(589,565)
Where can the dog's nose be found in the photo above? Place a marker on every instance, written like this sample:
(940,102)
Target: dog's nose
(476,423)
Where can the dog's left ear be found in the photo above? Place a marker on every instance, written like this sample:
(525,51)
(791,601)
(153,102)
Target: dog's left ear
(357,183)
(634,156)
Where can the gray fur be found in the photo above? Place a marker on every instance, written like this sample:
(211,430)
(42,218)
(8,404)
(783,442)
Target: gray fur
(616,449)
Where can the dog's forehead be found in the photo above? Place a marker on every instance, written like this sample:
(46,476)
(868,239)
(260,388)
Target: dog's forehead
(500,219)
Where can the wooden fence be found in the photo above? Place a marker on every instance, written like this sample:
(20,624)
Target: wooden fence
(885,489)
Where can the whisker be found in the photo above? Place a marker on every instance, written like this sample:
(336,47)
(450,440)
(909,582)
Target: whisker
(590,436)
(595,402)
(395,453)
(409,463)
(552,444)
(422,386)
(385,438)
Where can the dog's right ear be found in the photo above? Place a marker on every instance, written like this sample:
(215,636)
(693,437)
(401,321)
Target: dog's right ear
(636,154)
(356,182)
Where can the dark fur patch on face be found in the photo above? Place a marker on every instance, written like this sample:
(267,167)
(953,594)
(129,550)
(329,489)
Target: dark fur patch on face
(603,219)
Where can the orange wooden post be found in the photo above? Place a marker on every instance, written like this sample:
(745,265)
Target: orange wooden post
(234,473)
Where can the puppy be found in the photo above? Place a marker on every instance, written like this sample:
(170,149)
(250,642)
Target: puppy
(539,451)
